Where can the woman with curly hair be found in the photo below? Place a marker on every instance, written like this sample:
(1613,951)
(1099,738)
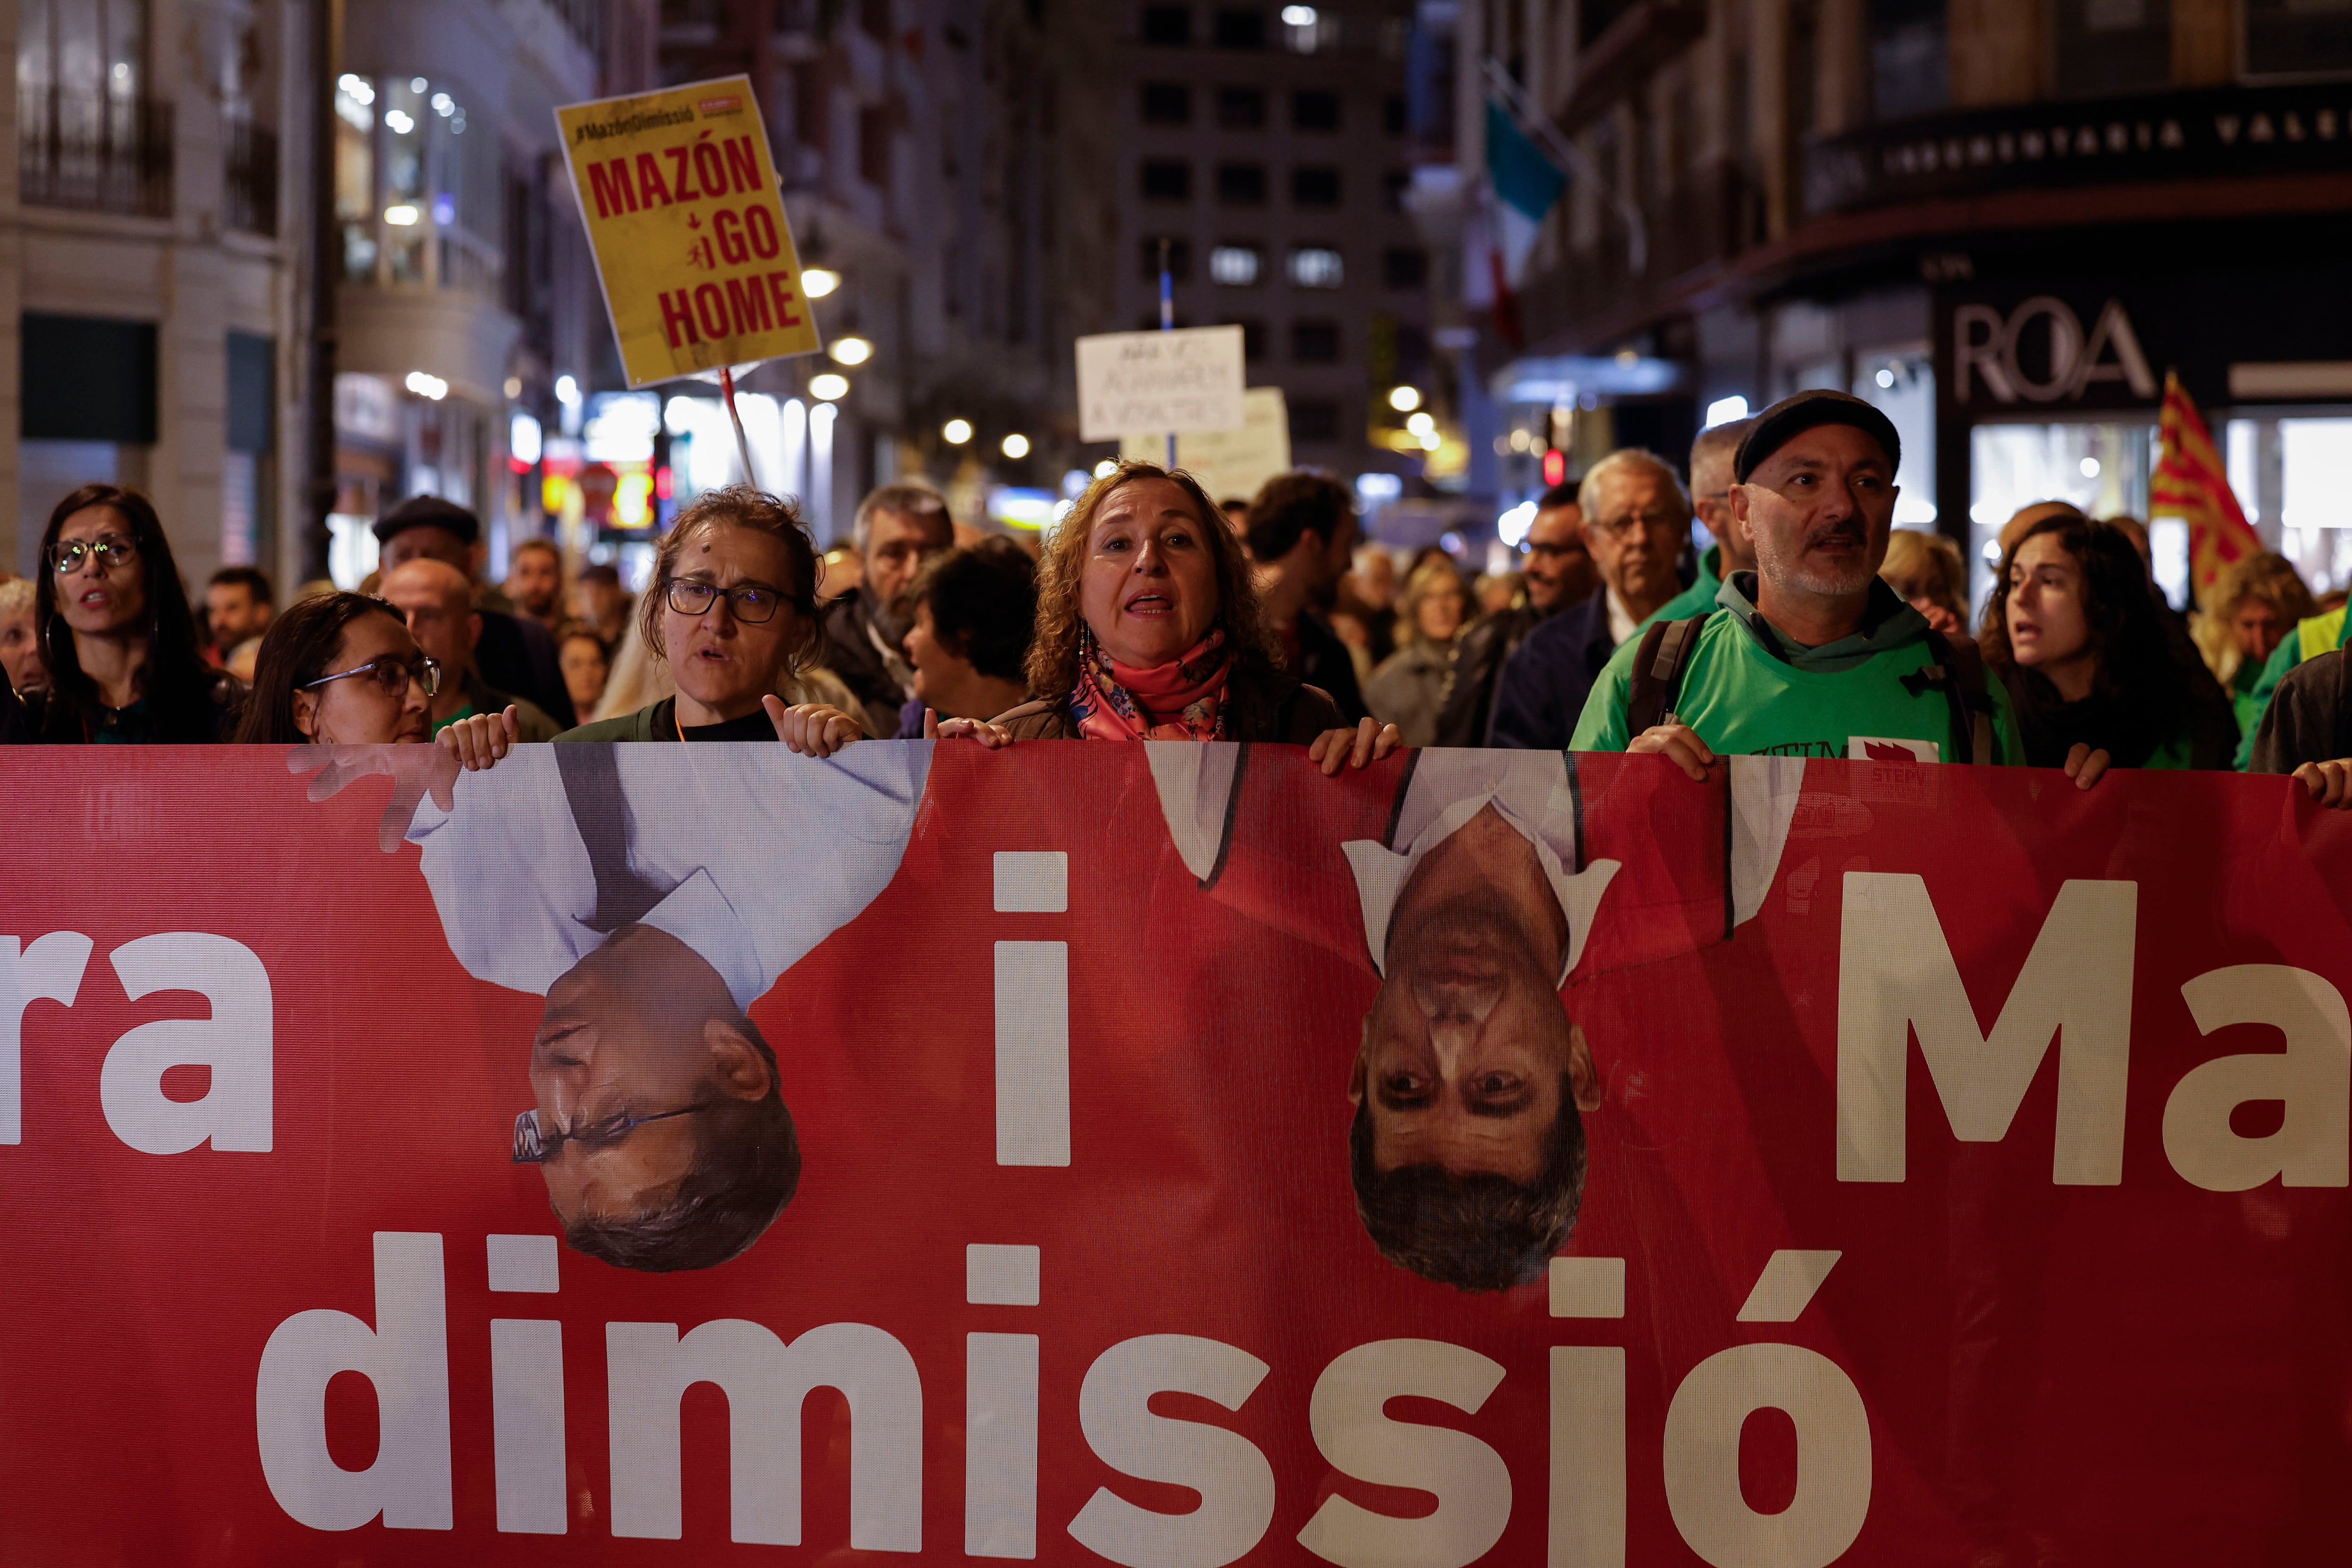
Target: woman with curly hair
(1148,628)
(2073,629)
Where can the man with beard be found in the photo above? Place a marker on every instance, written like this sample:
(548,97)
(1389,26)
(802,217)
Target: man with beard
(898,528)
(1560,574)
(1811,655)
(1302,535)
(1637,525)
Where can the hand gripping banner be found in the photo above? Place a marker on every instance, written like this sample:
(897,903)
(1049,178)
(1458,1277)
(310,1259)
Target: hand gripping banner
(1165,1155)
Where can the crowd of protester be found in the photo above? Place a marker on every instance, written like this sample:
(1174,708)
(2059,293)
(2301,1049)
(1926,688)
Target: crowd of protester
(1807,624)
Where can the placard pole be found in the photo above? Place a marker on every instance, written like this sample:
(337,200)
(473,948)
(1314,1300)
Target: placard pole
(742,442)
(1166,320)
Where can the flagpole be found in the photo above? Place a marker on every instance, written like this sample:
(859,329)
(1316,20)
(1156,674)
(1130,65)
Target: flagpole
(1166,320)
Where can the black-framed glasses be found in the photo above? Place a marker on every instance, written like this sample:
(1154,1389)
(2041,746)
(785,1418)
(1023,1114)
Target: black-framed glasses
(392,675)
(112,550)
(1635,523)
(533,1146)
(752,604)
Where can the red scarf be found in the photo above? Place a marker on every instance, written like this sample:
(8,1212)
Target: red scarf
(1182,700)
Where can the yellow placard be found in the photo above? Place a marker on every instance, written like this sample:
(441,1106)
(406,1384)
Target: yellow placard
(692,244)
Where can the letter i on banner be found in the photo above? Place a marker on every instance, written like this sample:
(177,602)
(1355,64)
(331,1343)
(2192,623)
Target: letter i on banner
(693,248)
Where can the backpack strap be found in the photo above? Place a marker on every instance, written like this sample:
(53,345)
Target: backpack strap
(1959,670)
(1659,665)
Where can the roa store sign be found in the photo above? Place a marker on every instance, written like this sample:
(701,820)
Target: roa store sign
(2039,354)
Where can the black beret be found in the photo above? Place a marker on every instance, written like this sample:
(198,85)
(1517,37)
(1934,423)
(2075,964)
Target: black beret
(1792,416)
(424,511)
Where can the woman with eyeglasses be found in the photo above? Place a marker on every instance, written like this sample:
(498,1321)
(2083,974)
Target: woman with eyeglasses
(117,631)
(340,670)
(734,611)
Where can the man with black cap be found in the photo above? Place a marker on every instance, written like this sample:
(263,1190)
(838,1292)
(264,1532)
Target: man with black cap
(1811,655)
(514,653)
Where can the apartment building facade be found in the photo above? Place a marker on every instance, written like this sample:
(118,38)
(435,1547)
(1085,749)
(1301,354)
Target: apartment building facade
(1264,151)
(2003,220)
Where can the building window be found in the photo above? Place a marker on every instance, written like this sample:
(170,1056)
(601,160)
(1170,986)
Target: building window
(1393,185)
(1253,338)
(2295,38)
(1235,266)
(1167,103)
(1314,111)
(2106,46)
(1241,184)
(1179,259)
(1315,342)
(1167,180)
(1169,24)
(1317,266)
(1910,63)
(1241,28)
(874,147)
(1313,419)
(87,135)
(1393,114)
(1406,269)
(1314,186)
(1241,109)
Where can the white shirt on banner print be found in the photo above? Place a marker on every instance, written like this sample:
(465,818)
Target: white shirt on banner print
(1528,790)
(757,854)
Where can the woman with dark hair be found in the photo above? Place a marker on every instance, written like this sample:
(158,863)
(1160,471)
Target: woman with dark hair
(1148,628)
(117,631)
(340,670)
(733,610)
(2073,628)
(975,611)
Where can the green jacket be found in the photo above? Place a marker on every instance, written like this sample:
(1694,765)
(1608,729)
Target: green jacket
(2308,640)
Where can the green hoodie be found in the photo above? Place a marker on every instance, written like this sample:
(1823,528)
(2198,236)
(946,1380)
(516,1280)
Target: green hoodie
(2308,640)
(1750,691)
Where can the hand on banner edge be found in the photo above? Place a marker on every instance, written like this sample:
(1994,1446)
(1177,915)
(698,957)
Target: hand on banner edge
(2330,783)
(414,770)
(2086,766)
(991,736)
(812,729)
(1679,744)
(1365,744)
(479,740)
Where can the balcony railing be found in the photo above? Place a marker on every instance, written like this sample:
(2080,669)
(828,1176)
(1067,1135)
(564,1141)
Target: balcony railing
(94,152)
(249,178)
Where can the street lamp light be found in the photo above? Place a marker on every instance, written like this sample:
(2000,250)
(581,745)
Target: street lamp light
(956,432)
(1016,445)
(850,350)
(1405,399)
(828,388)
(817,282)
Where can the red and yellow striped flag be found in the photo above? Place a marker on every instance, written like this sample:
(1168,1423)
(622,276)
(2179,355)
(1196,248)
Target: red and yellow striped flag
(2190,482)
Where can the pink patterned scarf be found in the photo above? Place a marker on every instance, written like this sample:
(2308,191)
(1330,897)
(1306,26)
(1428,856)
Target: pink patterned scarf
(1182,700)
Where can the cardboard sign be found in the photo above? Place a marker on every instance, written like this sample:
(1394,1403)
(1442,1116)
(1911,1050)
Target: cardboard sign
(1187,379)
(692,245)
(1228,463)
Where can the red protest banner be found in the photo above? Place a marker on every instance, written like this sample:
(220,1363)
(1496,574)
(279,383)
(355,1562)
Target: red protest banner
(1097,1154)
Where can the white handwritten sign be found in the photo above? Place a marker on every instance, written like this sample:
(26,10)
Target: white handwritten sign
(1188,380)
(1228,463)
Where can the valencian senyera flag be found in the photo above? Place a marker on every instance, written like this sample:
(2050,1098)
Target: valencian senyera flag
(2190,482)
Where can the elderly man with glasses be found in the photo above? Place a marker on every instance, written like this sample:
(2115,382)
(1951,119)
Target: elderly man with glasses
(1637,523)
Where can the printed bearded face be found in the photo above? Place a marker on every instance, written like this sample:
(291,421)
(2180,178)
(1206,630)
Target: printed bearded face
(1467,1045)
